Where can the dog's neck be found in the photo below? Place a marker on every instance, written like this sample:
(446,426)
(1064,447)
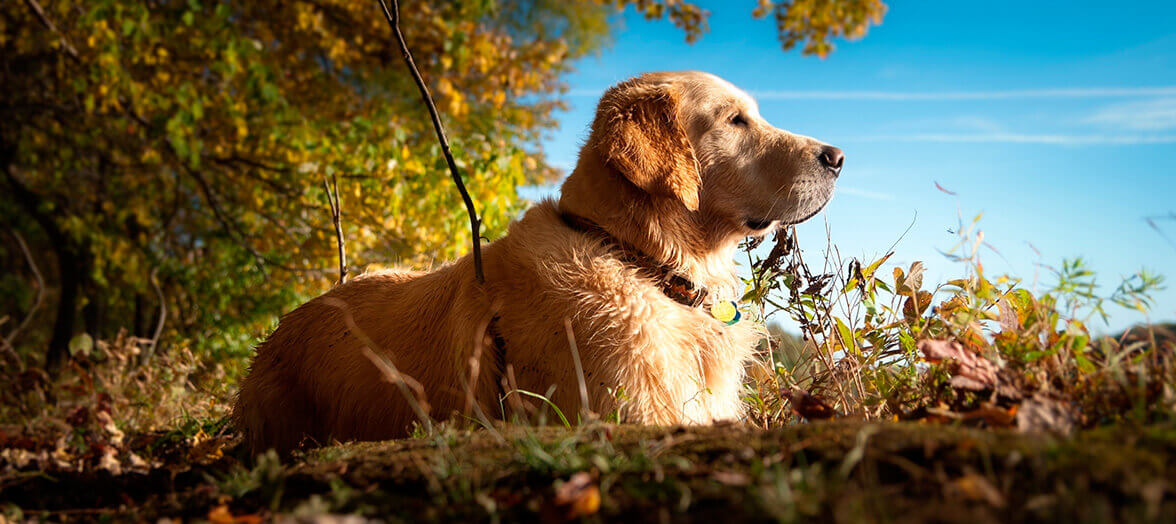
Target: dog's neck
(698,249)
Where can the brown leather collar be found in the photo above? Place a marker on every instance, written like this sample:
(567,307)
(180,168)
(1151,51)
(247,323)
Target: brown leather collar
(678,288)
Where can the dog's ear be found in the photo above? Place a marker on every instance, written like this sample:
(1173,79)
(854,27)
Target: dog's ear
(637,132)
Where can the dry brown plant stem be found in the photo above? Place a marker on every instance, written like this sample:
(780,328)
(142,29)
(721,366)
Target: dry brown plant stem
(412,390)
(585,410)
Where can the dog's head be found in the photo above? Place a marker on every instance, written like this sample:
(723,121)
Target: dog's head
(697,140)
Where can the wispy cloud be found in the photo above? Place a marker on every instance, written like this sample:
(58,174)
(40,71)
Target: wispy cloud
(1006,94)
(1018,138)
(872,195)
(932,96)
(1144,115)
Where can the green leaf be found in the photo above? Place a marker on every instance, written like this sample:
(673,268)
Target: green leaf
(868,271)
(81,344)
(847,339)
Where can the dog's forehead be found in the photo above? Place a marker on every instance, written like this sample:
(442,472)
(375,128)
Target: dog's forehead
(715,91)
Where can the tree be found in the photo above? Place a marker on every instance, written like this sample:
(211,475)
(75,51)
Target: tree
(191,139)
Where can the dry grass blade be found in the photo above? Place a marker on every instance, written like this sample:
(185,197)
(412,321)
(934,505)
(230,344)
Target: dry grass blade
(475,362)
(584,407)
(412,390)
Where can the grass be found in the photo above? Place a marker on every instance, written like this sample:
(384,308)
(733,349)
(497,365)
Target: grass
(843,471)
(986,398)
(880,345)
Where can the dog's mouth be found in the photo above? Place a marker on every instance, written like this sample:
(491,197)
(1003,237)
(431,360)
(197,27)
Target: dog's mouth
(761,226)
(758,225)
(802,219)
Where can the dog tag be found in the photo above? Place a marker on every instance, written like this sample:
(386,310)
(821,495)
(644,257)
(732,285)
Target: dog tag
(725,311)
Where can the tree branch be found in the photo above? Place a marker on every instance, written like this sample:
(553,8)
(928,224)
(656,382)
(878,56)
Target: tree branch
(69,48)
(393,17)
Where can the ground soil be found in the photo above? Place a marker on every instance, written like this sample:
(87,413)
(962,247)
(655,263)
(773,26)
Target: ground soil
(832,471)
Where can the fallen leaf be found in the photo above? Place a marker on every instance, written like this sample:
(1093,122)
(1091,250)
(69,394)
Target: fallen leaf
(976,488)
(809,406)
(1042,412)
(138,465)
(78,417)
(577,497)
(16,457)
(207,451)
(995,416)
(109,461)
(107,423)
(731,478)
(222,515)
(969,370)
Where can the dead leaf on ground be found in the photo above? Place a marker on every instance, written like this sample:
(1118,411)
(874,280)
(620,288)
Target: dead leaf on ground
(577,497)
(809,406)
(222,515)
(731,478)
(109,461)
(206,450)
(1041,412)
(994,416)
(969,370)
(107,423)
(976,488)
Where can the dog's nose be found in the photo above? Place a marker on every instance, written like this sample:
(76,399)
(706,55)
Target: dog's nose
(832,158)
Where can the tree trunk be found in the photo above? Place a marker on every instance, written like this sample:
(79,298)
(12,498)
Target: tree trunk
(69,267)
(139,329)
(92,312)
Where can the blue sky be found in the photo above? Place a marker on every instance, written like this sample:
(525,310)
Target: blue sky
(1057,120)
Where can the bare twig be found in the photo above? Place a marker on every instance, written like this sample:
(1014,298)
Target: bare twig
(1151,222)
(154,343)
(412,390)
(11,336)
(337,219)
(69,48)
(393,17)
(10,351)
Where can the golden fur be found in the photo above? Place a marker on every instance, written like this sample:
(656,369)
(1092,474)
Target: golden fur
(679,165)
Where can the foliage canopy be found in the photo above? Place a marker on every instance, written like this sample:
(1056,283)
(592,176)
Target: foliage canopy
(190,140)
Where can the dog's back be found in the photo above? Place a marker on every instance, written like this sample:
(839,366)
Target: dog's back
(311,381)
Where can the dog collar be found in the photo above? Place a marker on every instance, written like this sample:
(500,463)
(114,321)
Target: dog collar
(678,288)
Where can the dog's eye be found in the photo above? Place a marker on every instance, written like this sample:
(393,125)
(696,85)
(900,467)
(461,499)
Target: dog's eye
(739,120)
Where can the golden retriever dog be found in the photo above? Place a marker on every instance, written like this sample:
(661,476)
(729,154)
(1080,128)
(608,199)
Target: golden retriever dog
(679,167)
